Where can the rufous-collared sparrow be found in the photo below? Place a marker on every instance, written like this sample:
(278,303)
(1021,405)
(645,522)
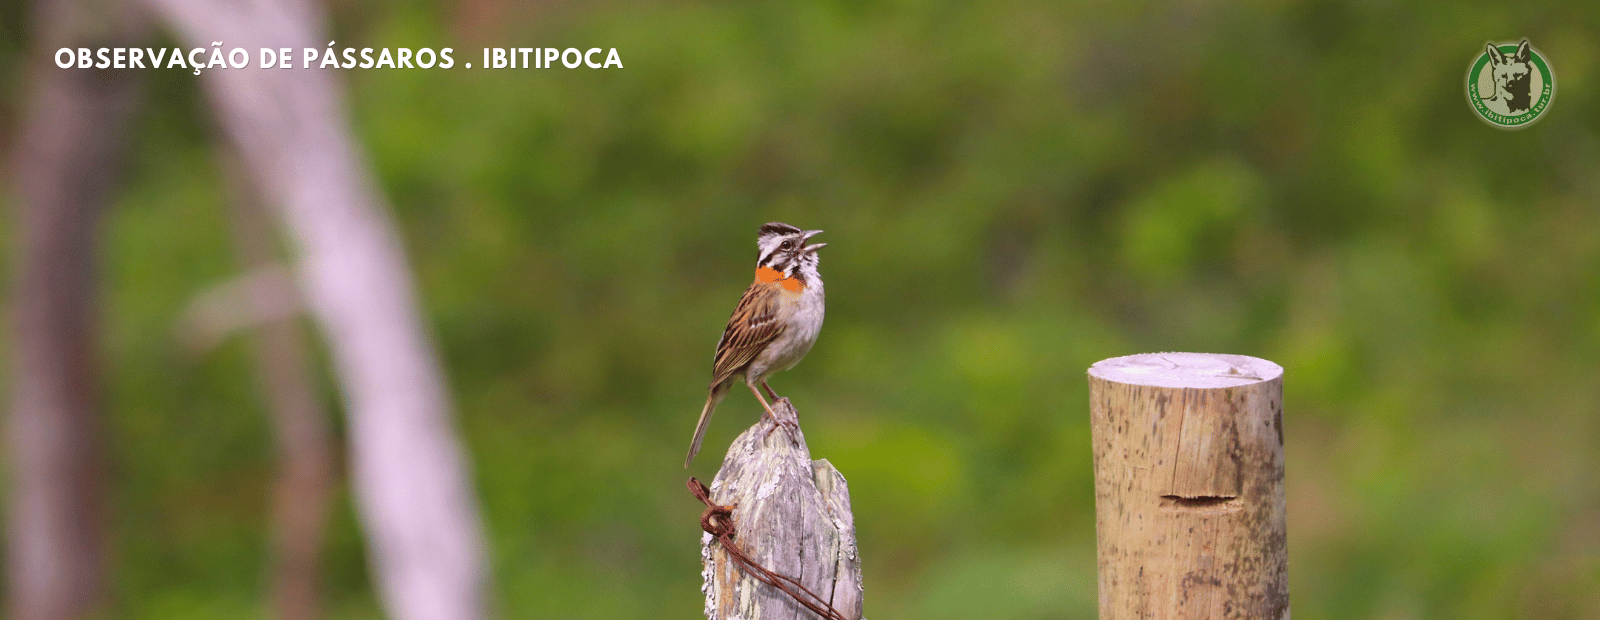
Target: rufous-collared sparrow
(775,323)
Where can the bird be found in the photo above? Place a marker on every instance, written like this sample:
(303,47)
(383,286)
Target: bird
(774,325)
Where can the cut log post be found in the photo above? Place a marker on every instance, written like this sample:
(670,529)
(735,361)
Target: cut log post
(791,515)
(1189,501)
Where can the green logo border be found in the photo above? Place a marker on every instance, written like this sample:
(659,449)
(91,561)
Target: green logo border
(1534,113)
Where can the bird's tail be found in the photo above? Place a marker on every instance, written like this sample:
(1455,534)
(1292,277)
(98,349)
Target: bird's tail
(717,392)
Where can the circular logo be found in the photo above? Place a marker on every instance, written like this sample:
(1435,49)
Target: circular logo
(1510,85)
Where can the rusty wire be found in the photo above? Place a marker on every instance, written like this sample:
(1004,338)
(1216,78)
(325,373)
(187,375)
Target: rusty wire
(718,522)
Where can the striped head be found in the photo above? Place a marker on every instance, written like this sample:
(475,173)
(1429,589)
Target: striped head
(783,249)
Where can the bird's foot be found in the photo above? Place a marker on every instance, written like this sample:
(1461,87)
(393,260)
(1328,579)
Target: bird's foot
(784,415)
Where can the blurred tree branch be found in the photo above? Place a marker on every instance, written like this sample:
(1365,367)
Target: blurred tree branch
(415,500)
(66,161)
(301,495)
(264,294)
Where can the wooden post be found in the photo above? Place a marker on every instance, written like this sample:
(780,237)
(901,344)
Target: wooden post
(1189,504)
(791,515)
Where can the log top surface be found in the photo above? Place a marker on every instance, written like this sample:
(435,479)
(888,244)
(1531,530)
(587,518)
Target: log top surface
(1186,370)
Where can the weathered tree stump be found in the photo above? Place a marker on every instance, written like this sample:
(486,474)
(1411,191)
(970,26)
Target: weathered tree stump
(791,515)
(1189,503)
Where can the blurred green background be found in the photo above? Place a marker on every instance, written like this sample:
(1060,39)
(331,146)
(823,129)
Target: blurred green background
(1011,191)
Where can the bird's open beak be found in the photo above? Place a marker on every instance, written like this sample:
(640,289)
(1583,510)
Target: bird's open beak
(806,236)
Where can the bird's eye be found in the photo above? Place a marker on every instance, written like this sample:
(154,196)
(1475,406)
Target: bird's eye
(788,244)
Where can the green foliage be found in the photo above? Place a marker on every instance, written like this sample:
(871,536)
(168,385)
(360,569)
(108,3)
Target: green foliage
(1011,191)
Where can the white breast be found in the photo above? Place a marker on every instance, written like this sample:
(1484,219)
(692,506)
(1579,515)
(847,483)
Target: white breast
(804,325)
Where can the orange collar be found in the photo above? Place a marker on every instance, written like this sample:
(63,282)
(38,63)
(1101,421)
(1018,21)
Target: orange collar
(768,275)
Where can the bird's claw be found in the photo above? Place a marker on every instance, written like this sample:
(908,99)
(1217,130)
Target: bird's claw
(786,419)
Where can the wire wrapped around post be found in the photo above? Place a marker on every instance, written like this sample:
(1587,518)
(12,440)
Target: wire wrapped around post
(779,537)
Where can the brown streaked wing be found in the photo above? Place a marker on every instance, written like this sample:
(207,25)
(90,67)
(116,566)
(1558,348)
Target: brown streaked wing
(755,324)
